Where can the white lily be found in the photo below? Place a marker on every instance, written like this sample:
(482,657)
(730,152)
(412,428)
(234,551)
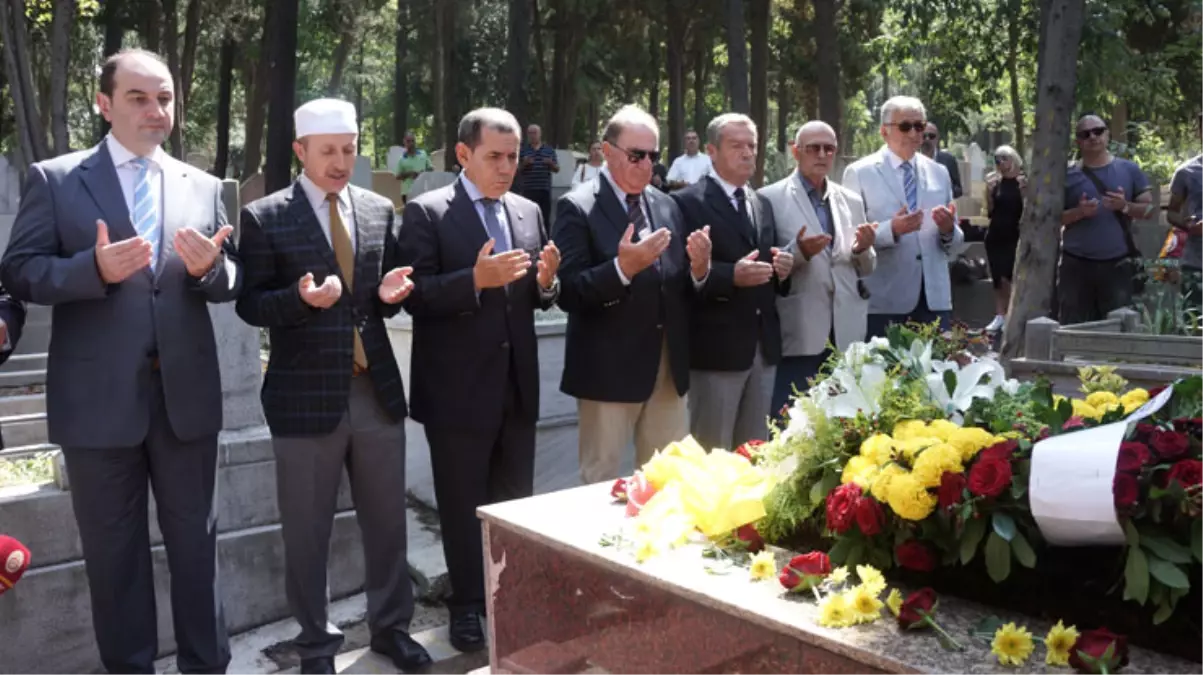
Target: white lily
(855,395)
(979,379)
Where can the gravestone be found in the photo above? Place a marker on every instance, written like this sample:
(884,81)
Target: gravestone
(362,175)
(436,160)
(394,155)
(977,162)
(385,184)
(430,180)
(567,161)
(252,188)
(10,187)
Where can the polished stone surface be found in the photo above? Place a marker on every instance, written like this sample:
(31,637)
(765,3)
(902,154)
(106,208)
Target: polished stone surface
(560,603)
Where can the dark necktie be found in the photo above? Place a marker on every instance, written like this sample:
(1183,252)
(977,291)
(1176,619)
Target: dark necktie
(635,215)
(741,200)
(493,225)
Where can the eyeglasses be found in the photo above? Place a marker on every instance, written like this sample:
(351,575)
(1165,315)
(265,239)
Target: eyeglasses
(908,126)
(930,137)
(637,156)
(999,159)
(820,148)
(1087,133)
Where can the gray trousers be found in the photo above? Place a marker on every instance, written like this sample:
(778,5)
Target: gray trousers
(730,408)
(110,496)
(308,470)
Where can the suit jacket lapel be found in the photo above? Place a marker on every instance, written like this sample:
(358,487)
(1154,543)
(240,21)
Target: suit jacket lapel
(365,244)
(890,176)
(613,209)
(176,196)
(839,226)
(515,220)
(809,216)
(100,179)
(718,199)
(470,226)
(306,219)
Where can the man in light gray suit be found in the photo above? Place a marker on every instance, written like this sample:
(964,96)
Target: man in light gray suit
(911,197)
(129,247)
(823,226)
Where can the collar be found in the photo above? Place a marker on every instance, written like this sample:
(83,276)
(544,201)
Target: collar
(470,188)
(417,152)
(122,155)
(727,187)
(618,192)
(695,155)
(317,196)
(810,188)
(894,160)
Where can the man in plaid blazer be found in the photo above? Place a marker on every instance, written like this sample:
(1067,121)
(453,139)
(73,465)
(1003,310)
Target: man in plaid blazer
(320,275)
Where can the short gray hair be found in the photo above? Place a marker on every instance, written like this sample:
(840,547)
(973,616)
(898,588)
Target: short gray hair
(714,130)
(472,124)
(1008,151)
(626,117)
(898,103)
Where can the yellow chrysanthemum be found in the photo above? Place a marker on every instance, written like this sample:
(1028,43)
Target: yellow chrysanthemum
(879,448)
(942,429)
(1012,645)
(1085,410)
(1099,399)
(970,441)
(835,612)
(871,579)
(1058,643)
(1134,399)
(881,482)
(860,470)
(865,605)
(838,575)
(646,548)
(934,461)
(911,447)
(909,498)
(908,429)
(894,601)
(764,566)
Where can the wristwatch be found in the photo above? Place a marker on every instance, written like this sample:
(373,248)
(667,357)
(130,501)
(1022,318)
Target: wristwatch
(1125,209)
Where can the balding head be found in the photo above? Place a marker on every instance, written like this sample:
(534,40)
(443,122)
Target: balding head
(1092,136)
(137,97)
(815,147)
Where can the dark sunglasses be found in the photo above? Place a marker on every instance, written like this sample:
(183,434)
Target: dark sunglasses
(1087,133)
(816,148)
(909,126)
(637,156)
(999,159)
(930,137)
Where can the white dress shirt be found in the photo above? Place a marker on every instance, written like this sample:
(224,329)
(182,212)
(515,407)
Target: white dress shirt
(321,208)
(689,169)
(127,174)
(730,190)
(586,172)
(475,195)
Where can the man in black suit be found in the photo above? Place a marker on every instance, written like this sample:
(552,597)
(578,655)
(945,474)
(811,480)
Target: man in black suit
(475,373)
(735,337)
(333,394)
(12,320)
(626,288)
(931,141)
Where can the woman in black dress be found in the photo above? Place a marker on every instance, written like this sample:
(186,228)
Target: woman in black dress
(1004,206)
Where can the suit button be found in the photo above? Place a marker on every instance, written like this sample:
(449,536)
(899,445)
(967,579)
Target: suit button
(918,257)
(156,291)
(505,345)
(659,326)
(758,312)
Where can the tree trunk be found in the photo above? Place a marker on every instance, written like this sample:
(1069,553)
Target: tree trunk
(541,86)
(171,43)
(225,87)
(60,57)
(653,78)
(827,57)
(592,123)
(517,58)
(114,29)
(188,57)
(282,94)
(438,95)
(1039,230)
(701,70)
(152,32)
(400,82)
(676,78)
(1017,105)
(359,105)
(737,57)
(31,134)
(885,82)
(760,14)
(1119,123)
(560,76)
(451,113)
(342,53)
(784,97)
(260,87)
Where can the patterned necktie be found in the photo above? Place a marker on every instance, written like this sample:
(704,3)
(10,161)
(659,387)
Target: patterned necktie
(909,187)
(146,209)
(741,198)
(344,253)
(635,215)
(493,225)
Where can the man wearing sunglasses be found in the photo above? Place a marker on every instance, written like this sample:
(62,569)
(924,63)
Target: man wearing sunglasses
(824,226)
(931,136)
(911,197)
(626,286)
(1099,258)
(735,337)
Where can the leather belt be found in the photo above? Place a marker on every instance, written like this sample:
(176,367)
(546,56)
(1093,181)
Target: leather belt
(357,370)
(154,363)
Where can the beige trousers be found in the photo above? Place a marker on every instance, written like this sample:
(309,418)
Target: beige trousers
(606,428)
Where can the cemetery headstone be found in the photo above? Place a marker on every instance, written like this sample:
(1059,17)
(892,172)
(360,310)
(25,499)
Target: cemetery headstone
(252,188)
(436,160)
(431,180)
(394,155)
(385,184)
(977,162)
(362,175)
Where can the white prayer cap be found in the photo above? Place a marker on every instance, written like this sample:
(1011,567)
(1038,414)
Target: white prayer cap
(325,116)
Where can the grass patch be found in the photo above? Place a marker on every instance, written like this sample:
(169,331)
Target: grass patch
(30,470)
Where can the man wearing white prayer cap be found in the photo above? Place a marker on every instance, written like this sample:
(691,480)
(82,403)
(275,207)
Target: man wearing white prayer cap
(321,276)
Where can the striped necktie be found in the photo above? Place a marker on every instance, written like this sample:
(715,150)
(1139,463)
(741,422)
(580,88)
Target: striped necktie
(146,208)
(910,188)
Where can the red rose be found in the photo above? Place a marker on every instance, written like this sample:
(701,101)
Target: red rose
(745,450)
(805,571)
(869,516)
(1074,422)
(1133,456)
(788,578)
(619,490)
(639,491)
(1170,444)
(1144,431)
(1045,432)
(952,487)
(1188,472)
(915,555)
(1000,451)
(1155,391)
(841,507)
(1125,490)
(1191,426)
(1086,656)
(989,477)
(750,537)
(917,605)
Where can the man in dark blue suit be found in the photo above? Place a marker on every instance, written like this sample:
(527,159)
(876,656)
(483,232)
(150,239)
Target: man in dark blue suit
(12,320)
(475,380)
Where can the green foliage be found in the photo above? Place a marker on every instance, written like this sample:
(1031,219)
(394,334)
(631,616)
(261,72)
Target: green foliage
(1101,378)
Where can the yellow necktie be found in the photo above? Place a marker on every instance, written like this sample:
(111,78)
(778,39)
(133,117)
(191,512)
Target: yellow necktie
(345,255)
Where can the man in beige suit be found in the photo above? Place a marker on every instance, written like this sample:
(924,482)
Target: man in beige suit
(824,226)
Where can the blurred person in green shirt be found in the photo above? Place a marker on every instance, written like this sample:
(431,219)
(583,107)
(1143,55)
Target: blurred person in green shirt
(413,161)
